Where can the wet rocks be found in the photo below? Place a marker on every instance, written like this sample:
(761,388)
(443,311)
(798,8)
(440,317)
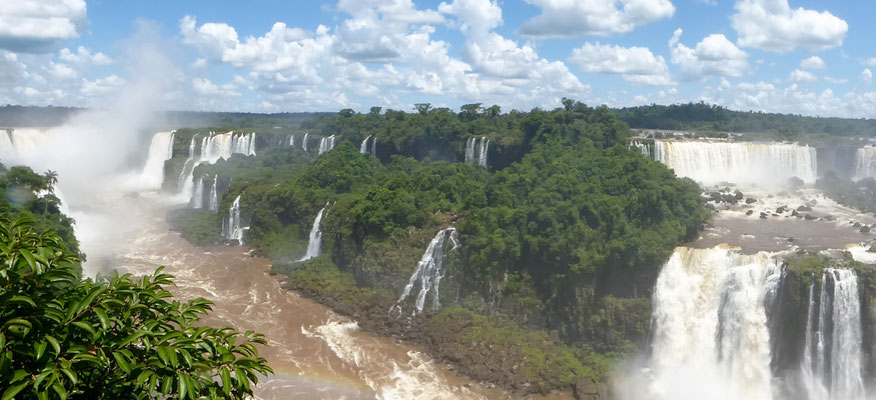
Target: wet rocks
(804,208)
(865,229)
(809,217)
(750,201)
(749,212)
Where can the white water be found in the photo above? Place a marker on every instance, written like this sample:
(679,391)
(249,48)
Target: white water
(214,196)
(363,148)
(213,147)
(476,151)
(710,337)
(304,142)
(712,162)
(327,143)
(160,150)
(292,140)
(314,243)
(430,270)
(642,147)
(865,163)
(197,200)
(231,225)
(832,363)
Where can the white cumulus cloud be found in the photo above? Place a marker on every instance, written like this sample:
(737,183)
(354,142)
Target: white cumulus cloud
(867,76)
(35,26)
(813,63)
(773,25)
(566,18)
(713,56)
(802,76)
(635,64)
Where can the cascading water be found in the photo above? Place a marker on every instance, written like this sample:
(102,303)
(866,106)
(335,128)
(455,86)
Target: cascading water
(363,148)
(710,338)
(292,140)
(314,243)
(430,270)
(643,147)
(832,358)
(214,147)
(213,205)
(865,163)
(160,150)
(327,143)
(740,162)
(374,146)
(231,225)
(197,200)
(476,150)
(304,142)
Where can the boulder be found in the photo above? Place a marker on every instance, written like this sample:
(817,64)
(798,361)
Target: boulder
(585,389)
(750,201)
(749,212)
(804,208)
(865,229)
(809,217)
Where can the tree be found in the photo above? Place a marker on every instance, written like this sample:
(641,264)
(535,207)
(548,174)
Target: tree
(423,108)
(51,180)
(123,338)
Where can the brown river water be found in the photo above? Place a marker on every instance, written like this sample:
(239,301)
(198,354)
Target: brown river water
(315,353)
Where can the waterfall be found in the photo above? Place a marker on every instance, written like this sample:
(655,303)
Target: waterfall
(231,225)
(643,147)
(304,142)
(430,270)
(739,162)
(187,169)
(315,241)
(197,200)
(213,205)
(327,143)
(476,151)
(214,147)
(292,140)
(160,150)
(363,148)
(374,146)
(832,358)
(865,162)
(710,332)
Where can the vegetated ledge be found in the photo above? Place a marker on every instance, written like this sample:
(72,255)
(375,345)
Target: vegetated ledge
(487,349)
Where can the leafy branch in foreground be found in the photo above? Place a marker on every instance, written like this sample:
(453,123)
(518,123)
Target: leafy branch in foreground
(125,338)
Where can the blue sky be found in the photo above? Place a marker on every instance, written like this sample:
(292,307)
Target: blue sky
(790,56)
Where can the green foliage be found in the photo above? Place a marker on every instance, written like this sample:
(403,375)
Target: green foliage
(858,194)
(18,198)
(196,226)
(120,339)
(524,356)
(707,117)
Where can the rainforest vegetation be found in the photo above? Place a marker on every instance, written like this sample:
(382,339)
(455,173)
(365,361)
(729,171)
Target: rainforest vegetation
(704,117)
(561,235)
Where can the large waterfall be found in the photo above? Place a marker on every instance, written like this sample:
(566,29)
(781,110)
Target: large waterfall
(832,360)
(314,242)
(212,148)
(476,150)
(304,142)
(430,270)
(160,150)
(865,163)
(232,228)
(327,143)
(740,162)
(710,337)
